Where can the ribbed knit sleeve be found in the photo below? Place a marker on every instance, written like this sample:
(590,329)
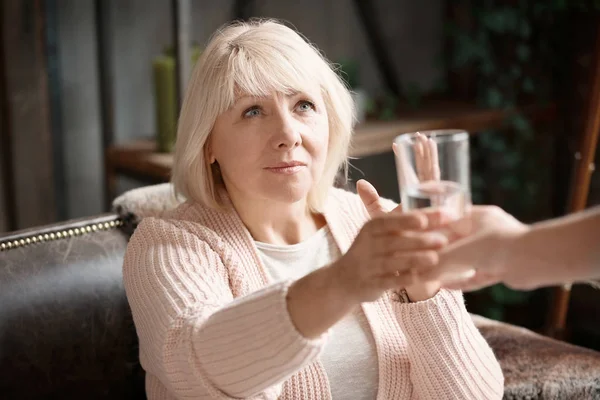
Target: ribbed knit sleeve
(194,336)
(448,356)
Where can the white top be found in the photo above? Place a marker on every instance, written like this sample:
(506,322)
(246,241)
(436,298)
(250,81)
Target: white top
(350,356)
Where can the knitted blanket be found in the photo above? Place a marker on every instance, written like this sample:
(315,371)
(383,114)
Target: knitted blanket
(537,367)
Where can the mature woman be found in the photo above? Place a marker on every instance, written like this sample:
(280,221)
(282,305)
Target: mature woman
(268,282)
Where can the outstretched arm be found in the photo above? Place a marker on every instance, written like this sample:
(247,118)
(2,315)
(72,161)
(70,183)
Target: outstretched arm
(501,249)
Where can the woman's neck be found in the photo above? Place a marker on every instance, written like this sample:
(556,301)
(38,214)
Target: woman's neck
(277,222)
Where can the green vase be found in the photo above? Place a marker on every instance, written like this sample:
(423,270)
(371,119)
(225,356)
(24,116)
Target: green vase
(165,84)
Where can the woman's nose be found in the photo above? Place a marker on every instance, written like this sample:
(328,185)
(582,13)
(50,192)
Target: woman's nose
(286,133)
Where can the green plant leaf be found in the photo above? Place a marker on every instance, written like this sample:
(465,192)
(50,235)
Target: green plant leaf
(520,123)
(523,52)
(503,295)
(477,197)
(515,71)
(494,98)
(528,86)
(498,145)
(487,67)
(370,105)
(477,180)
(559,4)
(509,183)
(525,29)
(487,139)
(501,21)
(495,312)
(494,21)
(467,49)
(512,159)
(387,114)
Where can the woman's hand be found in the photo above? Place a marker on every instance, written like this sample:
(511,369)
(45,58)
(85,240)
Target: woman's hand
(416,290)
(426,166)
(482,241)
(381,257)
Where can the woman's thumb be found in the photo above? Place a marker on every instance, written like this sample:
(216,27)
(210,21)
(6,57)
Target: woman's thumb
(370,198)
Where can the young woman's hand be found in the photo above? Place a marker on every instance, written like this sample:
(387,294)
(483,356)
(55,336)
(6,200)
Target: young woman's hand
(483,241)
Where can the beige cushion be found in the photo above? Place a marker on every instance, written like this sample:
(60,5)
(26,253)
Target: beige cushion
(147,201)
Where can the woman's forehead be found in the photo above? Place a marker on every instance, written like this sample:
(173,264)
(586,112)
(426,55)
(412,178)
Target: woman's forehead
(309,91)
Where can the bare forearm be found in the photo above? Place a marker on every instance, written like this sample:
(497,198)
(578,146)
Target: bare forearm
(316,302)
(565,246)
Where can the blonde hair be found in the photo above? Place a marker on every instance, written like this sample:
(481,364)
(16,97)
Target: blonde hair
(257,58)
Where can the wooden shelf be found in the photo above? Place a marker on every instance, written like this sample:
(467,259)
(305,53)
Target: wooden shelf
(376,137)
(139,159)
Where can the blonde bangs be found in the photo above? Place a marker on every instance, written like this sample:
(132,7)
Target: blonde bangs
(260,68)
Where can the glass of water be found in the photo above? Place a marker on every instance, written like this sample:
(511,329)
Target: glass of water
(434,170)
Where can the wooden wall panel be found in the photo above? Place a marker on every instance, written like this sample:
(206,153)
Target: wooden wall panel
(26,102)
(4,211)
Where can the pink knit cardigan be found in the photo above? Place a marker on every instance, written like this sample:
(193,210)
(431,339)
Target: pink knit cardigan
(211,325)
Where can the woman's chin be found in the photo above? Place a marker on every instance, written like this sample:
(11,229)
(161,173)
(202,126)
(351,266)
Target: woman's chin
(287,193)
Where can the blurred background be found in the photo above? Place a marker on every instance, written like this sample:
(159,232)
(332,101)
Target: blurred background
(89,92)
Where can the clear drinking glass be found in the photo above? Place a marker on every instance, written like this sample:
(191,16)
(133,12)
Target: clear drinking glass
(434,170)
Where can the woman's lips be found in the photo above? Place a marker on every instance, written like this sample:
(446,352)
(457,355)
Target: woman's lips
(287,168)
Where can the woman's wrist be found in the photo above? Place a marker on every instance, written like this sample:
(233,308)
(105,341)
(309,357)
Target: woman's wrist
(318,301)
(511,243)
(341,284)
(422,291)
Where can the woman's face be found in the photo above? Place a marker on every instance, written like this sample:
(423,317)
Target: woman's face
(272,148)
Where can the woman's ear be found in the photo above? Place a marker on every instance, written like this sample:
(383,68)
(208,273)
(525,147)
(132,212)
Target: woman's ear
(208,153)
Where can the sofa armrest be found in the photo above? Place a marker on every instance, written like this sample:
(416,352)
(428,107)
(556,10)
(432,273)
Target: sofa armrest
(538,367)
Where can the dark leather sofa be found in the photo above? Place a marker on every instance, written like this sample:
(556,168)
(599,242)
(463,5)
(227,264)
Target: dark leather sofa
(66,331)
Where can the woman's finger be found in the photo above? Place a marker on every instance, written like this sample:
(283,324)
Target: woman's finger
(434,161)
(426,164)
(370,198)
(405,261)
(419,159)
(398,209)
(398,280)
(391,245)
(441,270)
(397,223)
(458,261)
(478,281)
(406,172)
(438,217)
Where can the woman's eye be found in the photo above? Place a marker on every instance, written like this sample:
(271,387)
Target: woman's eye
(305,105)
(252,112)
